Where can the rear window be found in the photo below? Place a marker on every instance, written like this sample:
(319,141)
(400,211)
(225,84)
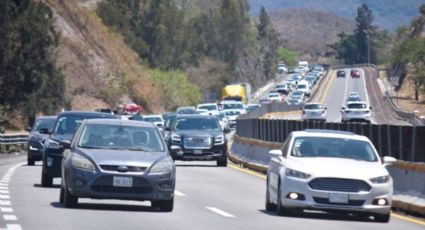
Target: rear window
(44,124)
(196,124)
(313,106)
(356,106)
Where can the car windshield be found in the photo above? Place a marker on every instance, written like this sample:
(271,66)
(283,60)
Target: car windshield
(68,125)
(122,137)
(232,113)
(169,121)
(152,119)
(44,123)
(273,95)
(313,106)
(302,86)
(356,106)
(208,107)
(193,123)
(353,98)
(186,111)
(233,106)
(297,93)
(333,148)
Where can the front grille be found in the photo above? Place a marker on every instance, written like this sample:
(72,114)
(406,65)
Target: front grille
(191,142)
(339,185)
(114,168)
(320,200)
(105,184)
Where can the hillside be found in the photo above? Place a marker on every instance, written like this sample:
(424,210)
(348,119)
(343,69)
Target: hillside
(389,14)
(100,70)
(309,31)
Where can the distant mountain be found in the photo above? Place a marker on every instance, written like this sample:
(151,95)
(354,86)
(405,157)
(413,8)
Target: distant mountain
(389,14)
(309,32)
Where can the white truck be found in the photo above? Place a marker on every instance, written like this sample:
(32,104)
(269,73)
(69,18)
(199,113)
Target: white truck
(304,86)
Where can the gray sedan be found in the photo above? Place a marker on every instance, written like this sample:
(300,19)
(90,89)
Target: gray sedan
(117,159)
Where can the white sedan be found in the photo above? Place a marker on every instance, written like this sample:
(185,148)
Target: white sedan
(331,171)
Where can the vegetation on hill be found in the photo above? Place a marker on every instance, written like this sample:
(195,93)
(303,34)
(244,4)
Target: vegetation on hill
(29,80)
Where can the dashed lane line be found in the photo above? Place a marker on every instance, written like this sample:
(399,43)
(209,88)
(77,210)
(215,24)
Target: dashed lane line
(220,212)
(178,193)
(9,217)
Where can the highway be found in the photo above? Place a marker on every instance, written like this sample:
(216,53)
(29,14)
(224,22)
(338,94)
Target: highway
(207,197)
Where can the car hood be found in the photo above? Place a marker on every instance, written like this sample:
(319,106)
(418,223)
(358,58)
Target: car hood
(207,133)
(122,157)
(338,167)
(36,136)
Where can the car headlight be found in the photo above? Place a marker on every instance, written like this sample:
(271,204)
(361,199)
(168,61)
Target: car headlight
(176,138)
(51,144)
(33,148)
(296,174)
(380,180)
(83,163)
(162,166)
(219,140)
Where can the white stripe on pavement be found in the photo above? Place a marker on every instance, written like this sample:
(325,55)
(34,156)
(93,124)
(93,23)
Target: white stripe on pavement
(179,193)
(5,197)
(9,217)
(6,209)
(13,227)
(5,203)
(220,212)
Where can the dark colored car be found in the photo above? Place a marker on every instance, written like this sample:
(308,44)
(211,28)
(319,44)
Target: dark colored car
(355,73)
(198,137)
(186,110)
(340,73)
(36,139)
(115,159)
(65,126)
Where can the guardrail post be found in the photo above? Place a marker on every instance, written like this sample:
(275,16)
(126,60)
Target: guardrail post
(389,140)
(412,154)
(400,143)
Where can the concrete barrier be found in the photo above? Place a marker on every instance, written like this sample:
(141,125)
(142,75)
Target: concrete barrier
(408,177)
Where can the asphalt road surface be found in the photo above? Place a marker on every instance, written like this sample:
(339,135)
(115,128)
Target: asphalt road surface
(207,197)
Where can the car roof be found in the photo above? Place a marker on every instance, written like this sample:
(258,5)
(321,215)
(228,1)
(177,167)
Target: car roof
(86,114)
(329,133)
(356,102)
(186,107)
(207,104)
(47,117)
(120,122)
(313,103)
(152,115)
(194,116)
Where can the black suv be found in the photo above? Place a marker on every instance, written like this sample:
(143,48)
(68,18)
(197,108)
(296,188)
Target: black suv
(36,139)
(340,73)
(198,137)
(65,126)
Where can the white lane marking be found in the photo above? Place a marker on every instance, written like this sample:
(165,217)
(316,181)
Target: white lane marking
(364,84)
(220,212)
(4,209)
(179,193)
(4,191)
(3,188)
(13,227)
(6,197)
(5,203)
(9,217)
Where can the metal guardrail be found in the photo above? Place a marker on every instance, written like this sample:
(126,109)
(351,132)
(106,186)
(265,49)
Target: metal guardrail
(11,139)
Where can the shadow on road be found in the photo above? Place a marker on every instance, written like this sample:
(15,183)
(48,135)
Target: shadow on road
(322,216)
(53,186)
(109,207)
(196,165)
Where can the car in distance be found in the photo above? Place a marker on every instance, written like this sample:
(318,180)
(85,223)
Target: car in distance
(198,137)
(252,107)
(65,126)
(340,73)
(232,115)
(294,101)
(212,108)
(353,97)
(277,97)
(283,89)
(331,171)
(233,105)
(186,110)
(314,111)
(355,73)
(36,139)
(113,159)
(155,119)
(356,111)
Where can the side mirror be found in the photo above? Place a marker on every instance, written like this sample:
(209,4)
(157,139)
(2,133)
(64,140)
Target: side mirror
(66,144)
(28,129)
(389,160)
(44,131)
(227,130)
(370,107)
(275,153)
(175,148)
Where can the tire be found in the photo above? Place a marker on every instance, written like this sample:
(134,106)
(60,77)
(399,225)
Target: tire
(281,211)
(61,195)
(30,161)
(269,206)
(164,205)
(69,200)
(46,180)
(382,218)
(222,162)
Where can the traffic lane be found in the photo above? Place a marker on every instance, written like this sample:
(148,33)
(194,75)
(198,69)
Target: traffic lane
(38,208)
(203,185)
(358,85)
(335,97)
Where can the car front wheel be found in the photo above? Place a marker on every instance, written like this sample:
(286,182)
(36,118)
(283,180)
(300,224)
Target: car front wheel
(30,161)
(222,162)
(269,206)
(69,200)
(46,180)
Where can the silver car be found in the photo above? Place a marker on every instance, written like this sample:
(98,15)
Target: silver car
(116,159)
(314,111)
(330,171)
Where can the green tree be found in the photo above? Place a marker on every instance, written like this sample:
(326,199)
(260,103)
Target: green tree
(287,56)
(29,81)
(364,34)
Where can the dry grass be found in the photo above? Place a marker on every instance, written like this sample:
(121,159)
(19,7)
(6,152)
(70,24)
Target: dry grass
(98,65)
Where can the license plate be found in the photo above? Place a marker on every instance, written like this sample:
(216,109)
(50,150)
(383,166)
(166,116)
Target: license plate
(197,151)
(123,181)
(341,198)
